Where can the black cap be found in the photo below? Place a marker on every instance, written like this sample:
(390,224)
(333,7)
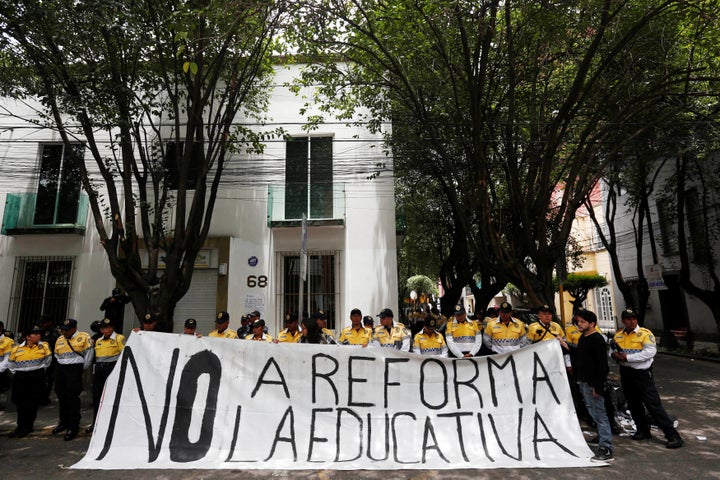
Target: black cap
(355,311)
(116,291)
(545,308)
(459,309)
(291,317)
(386,312)
(368,320)
(34,329)
(258,323)
(105,322)
(68,324)
(587,315)
(319,315)
(505,307)
(95,326)
(628,313)
(190,323)
(150,318)
(222,317)
(254,313)
(430,322)
(492,311)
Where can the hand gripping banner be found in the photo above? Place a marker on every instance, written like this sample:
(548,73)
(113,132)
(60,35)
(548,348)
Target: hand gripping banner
(177,401)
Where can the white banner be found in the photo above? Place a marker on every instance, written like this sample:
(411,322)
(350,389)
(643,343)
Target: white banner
(177,401)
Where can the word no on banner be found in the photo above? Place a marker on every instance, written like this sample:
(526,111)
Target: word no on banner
(178,401)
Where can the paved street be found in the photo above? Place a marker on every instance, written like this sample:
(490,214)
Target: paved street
(690,389)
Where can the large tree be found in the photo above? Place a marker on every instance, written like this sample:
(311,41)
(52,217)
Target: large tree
(162,83)
(511,107)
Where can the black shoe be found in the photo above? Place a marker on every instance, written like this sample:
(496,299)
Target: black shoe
(59,429)
(595,440)
(674,442)
(603,455)
(90,429)
(641,436)
(71,434)
(24,433)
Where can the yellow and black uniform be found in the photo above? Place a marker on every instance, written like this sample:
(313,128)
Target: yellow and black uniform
(463,337)
(6,345)
(501,338)
(227,333)
(434,344)
(540,332)
(397,337)
(352,336)
(107,353)
(28,364)
(286,336)
(572,335)
(73,355)
(329,336)
(263,338)
(638,345)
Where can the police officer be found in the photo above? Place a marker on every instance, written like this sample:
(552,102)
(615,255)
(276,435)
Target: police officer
(149,323)
(6,344)
(190,327)
(245,328)
(544,329)
(74,352)
(390,334)
(28,362)
(50,334)
(635,351)
(321,318)
(463,337)
(221,323)
(291,333)
(107,352)
(429,341)
(259,335)
(355,333)
(369,322)
(506,333)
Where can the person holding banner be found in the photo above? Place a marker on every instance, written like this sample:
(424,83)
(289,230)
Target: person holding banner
(635,352)
(259,334)
(356,333)
(320,318)
(544,329)
(390,334)
(221,323)
(506,333)
(74,353)
(291,334)
(107,351)
(429,341)
(591,374)
(463,338)
(28,362)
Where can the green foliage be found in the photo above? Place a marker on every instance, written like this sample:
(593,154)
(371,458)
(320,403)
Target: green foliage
(421,285)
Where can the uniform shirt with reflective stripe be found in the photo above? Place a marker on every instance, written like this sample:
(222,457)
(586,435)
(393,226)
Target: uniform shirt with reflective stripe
(463,337)
(638,345)
(227,333)
(501,338)
(425,344)
(6,345)
(25,358)
(350,336)
(81,352)
(108,349)
(398,337)
(539,332)
(329,335)
(573,335)
(286,337)
(265,338)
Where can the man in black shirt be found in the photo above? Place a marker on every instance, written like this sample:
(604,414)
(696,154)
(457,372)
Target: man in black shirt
(592,371)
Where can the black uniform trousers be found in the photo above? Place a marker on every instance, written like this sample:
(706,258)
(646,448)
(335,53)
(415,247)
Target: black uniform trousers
(27,391)
(101,371)
(640,393)
(68,387)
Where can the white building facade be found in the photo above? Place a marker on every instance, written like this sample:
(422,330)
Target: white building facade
(51,260)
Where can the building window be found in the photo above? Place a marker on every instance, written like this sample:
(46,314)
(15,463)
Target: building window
(42,287)
(309,178)
(320,291)
(58,192)
(173,158)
